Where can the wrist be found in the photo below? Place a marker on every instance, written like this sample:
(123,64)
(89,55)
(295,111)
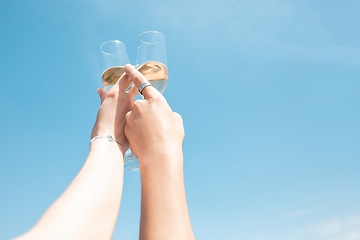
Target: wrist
(160,171)
(101,132)
(106,141)
(164,160)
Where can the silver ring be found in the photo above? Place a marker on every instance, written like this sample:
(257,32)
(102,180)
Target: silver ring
(142,86)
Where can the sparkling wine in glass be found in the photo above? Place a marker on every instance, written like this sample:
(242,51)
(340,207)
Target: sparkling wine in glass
(152,63)
(151,59)
(113,59)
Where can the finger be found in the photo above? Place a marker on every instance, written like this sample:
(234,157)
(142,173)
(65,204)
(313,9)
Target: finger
(138,79)
(133,91)
(124,82)
(102,94)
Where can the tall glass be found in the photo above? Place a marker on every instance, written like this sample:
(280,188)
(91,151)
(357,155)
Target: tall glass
(151,59)
(113,59)
(152,63)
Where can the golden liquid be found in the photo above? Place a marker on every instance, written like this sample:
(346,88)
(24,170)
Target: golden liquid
(154,72)
(112,75)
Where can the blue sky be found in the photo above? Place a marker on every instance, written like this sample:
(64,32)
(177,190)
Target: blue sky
(268,90)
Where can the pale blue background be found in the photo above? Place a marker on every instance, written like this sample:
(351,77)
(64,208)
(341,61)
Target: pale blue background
(269,93)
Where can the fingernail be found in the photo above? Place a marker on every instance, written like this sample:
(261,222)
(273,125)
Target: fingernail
(127,66)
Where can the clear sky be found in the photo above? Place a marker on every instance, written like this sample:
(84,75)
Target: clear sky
(268,90)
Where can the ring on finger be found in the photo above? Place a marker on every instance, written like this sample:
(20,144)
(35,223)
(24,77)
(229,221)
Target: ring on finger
(143,86)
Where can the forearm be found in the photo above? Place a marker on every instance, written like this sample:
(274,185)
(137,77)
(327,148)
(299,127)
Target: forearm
(89,206)
(164,212)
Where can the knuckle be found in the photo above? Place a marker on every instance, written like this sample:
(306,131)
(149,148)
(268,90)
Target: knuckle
(128,116)
(138,78)
(155,97)
(137,105)
(112,94)
(152,99)
(178,116)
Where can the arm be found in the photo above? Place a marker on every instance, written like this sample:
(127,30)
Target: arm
(156,135)
(89,207)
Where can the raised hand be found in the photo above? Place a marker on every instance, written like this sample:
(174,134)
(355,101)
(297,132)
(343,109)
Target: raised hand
(156,135)
(114,105)
(152,128)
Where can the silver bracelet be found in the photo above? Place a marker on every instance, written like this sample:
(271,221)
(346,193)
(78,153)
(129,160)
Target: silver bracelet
(108,137)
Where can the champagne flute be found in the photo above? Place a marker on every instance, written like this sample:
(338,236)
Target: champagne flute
(152,63)
(113,59)
(151,59)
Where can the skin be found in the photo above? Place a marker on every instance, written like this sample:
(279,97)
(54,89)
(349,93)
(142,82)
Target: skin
(89,207)
(156,134)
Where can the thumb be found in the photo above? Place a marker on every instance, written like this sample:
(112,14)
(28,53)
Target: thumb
(102,94)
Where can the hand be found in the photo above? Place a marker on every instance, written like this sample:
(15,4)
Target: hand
(114,105)
(152,128)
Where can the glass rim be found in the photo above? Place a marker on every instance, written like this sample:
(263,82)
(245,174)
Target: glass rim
(163,37)
(111,41)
